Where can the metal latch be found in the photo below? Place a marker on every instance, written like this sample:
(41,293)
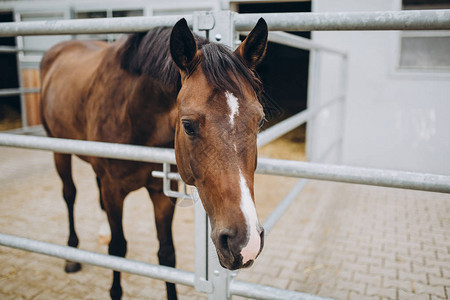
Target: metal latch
(204,21)
(167,177)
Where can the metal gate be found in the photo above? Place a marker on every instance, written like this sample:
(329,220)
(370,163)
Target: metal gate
(209,277)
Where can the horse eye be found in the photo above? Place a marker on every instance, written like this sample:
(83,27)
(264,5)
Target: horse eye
(189,127)
(261,123)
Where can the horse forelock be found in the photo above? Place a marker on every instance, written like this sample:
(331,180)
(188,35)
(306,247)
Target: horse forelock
(226,71)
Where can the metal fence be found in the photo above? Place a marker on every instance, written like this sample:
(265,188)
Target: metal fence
(209,277)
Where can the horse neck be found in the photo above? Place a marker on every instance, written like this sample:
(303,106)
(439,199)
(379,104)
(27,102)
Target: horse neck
(152,111)
(149,104)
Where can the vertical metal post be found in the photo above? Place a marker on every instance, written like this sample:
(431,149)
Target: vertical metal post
(19,54)
(219,277)
(201,231)
(312,103)
(202,23)
(109,15)
(210,277)
(343,108)
(223,32)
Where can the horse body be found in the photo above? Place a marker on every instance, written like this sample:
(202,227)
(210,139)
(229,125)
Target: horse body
(66,71)
(132,92)
(79,102)
(83,87)
(87,96)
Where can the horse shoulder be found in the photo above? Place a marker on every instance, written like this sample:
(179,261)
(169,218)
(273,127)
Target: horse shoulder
(66,70)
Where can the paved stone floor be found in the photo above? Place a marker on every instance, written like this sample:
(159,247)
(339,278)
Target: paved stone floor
(337,240)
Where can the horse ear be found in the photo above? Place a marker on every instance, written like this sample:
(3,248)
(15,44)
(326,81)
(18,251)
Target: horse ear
(253,48)
(183,47)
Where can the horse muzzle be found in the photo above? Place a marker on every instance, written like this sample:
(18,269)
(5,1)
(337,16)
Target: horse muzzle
(236,251)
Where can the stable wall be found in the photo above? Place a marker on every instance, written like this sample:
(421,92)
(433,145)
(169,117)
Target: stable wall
(393,119)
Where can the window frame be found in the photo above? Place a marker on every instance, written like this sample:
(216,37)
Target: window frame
(397,36)
(33,60)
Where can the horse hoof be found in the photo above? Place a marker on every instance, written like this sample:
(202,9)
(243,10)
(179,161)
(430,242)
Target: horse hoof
(72,267)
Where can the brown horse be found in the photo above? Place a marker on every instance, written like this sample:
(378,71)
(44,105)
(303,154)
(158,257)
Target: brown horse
(162,88)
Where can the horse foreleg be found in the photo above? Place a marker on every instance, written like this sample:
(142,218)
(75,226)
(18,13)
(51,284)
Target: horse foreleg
(113,202)
(104,234)
(164,210)
(63,163)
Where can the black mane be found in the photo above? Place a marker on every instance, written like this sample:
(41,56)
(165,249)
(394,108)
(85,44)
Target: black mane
(148,53)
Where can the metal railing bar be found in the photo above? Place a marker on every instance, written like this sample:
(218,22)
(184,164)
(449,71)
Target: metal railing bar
(13,49)
(385,20)
(295,41)
(270,166)
(283,127)
(33,130)
(376,20)
(100,260)
(8,49)
(89,148)
(258,291)
(284,204)
(357,175)
(170,175)
(83,26)
(15,92)
(291,40)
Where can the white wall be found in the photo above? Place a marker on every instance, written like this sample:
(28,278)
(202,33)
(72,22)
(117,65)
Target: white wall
(396,120)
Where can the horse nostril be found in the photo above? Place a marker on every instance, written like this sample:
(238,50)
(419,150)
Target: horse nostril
(225,236)
(223,241)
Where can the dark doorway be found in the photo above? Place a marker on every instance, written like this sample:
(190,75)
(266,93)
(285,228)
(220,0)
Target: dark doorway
(10,105)
(284,70)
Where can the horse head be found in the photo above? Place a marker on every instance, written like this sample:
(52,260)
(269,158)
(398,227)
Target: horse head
(219,115)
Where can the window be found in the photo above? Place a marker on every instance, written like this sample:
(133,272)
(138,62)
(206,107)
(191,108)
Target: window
(127,13)
(425,4)
(425,50)
(104,13)
(90,14)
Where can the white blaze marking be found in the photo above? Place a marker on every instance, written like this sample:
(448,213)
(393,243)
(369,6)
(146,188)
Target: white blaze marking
(233,104)
(251,250)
